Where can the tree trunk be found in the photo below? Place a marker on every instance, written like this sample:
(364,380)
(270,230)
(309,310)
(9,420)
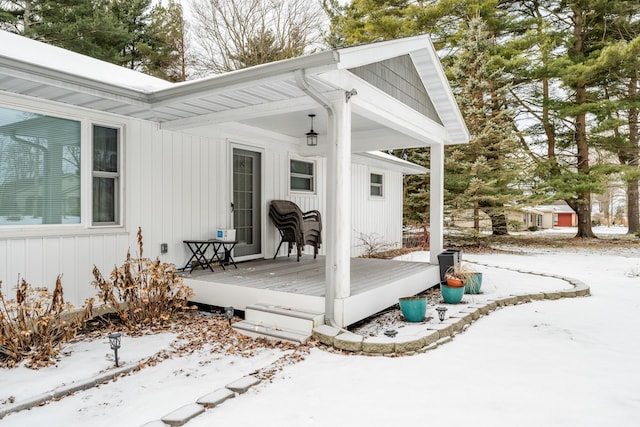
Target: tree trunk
(583,203)
(498,219)
(632,207)
(476,217)
(633,210)
(499,225)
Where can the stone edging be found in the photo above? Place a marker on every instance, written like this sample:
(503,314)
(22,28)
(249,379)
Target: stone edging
(66,390)
(444,331)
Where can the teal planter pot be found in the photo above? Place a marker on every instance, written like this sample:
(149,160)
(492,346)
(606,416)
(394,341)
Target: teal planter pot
(413,308)
(451,295)
(473,283)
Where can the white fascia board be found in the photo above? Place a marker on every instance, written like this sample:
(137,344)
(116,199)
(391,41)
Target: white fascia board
(384,160)
(370,53)
(437,85)
(244,78)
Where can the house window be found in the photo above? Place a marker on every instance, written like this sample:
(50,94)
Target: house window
(39,169)
(555,219)
(106,175)
(302,176)
(376,183)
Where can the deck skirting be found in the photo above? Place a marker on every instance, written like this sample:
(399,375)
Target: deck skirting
(375,285)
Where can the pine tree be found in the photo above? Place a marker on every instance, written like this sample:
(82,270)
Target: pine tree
(165,54)
(481,174)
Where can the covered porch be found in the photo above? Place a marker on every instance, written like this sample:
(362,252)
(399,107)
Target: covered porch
(375,285)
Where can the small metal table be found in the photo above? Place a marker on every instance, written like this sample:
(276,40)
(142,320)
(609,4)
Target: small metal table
(221,253)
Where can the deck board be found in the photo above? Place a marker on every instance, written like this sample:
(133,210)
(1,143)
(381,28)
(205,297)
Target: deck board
(307,276)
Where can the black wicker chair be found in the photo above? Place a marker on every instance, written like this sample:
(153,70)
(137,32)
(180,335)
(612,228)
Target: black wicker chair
(296,227)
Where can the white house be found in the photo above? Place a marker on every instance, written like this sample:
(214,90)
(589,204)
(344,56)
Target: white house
(548,216)
(90,151)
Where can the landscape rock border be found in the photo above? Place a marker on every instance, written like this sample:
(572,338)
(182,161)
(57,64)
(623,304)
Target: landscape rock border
(437,334)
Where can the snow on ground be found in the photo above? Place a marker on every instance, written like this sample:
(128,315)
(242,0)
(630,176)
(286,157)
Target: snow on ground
(569,362)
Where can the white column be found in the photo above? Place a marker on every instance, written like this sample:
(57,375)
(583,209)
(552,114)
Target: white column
(436,201)
(338,245)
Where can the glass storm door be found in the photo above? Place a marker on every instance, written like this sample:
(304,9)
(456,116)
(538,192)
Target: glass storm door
(246,202)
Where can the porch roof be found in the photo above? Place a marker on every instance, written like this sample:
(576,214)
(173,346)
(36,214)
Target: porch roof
(265,99)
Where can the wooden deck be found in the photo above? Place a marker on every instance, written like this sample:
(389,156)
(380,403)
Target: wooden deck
(375,285)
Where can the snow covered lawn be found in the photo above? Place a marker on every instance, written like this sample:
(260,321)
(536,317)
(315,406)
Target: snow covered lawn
(569,362)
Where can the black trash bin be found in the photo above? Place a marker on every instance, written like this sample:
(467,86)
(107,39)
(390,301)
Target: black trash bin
(447,259)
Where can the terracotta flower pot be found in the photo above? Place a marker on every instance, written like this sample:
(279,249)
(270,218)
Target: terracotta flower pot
(452,282)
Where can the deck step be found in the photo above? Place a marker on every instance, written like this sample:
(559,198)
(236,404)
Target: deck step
(262,330)
(280,317)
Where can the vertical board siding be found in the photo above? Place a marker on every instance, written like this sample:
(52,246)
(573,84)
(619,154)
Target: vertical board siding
(375,218)
(178,187)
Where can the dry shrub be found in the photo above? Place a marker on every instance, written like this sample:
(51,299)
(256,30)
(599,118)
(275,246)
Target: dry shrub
(35,323)
(142,292)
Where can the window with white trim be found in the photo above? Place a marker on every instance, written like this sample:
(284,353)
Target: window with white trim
(39,169)
(106,175)
(376,182)
(302,176)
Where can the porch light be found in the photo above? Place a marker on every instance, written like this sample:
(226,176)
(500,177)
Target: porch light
(312,136)
(114,343)
(441,312)
(228,313)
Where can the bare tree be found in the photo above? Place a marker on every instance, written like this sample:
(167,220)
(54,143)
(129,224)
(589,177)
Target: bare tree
(235,34)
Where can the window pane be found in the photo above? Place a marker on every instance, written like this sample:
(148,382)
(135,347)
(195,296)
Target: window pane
(39,169)
(300,167)
(105,149)
(105,175)
(104,200)
(301,175)
(303,184)
(376,185)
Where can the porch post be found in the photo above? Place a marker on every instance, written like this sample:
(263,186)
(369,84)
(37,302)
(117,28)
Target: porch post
(436,201)
(338,248)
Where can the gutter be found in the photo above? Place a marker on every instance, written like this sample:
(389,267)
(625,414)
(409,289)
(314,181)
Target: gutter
(303,84)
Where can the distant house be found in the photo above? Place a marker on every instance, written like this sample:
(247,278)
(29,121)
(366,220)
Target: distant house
(90,151)
(546,216)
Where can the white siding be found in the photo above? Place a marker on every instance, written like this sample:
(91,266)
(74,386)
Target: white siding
(375,217)
(176,187)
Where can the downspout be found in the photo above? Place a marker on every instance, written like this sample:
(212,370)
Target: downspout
(303,84)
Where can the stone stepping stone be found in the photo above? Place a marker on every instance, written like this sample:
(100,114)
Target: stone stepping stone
(182,415)
(216,397)
(243,384)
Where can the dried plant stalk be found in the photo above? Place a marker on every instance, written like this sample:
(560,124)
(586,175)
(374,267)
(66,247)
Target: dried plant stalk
(142,292)
(35,323)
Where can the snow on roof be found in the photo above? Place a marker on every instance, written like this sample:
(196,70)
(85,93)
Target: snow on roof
(26,50)
(540,209)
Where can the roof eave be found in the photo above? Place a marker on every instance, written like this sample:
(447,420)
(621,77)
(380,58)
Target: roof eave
(264,72)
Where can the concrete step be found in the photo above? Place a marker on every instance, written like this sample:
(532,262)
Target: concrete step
(280,317)
(262,330)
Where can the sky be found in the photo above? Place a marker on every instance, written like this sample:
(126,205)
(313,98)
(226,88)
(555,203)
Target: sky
(570,362)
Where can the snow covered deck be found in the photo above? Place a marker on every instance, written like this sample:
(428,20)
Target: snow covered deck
(375,285)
